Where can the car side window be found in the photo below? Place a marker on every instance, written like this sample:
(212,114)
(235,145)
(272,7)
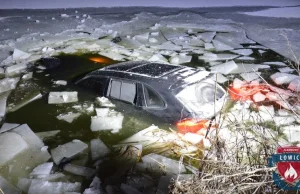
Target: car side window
(123,90)
(153,100)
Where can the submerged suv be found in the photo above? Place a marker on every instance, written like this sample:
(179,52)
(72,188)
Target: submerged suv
(171,92)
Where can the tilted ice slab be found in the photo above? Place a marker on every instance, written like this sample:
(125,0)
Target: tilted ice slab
(46,187)
(8,126)
(244,52)
(42,169)
(245,58)
(224,68)
(295,85)
(209,47)
(168,46)
(208,57)
(220,46)
(105,102)
(15,69)
(283,78)
(3,99)
(8,188)
(234,39)
(276,63)
(12,144)
(159,164)
(179,59)
(7,84)
(62,97)
(68,150)
(250,76)
(98,149)
(20,55)
(245,68)
(206,36)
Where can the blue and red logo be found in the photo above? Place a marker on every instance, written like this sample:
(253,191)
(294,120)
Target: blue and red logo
(287,161)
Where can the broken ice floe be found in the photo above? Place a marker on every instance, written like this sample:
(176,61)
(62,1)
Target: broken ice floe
(224,68)
(159,164)
(7,188)
(283,78)
(295,85)
(98,149)
(206,36)
(42,169)
(244,52)
(79,170)
(107,120)
(68,117)
(105,102)
(60,82)
(8,126)
(62,97)
(276,63)
(208,57)
(68,150)
(181,58)
(220,46)
(8,84)
(15,69)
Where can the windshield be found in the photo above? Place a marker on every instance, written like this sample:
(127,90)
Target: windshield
(204,99)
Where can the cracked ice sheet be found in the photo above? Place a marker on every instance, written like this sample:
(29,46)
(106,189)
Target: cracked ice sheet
(275,39)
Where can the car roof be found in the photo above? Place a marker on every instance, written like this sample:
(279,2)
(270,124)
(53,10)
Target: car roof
(173,76)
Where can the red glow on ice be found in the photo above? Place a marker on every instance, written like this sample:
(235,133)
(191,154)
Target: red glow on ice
(246,92)
(191,125)
(101,60)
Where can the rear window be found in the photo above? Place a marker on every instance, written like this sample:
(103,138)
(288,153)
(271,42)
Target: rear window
(123,90)
(153,100)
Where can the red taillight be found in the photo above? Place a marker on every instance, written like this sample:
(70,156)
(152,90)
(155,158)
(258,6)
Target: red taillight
(191,125)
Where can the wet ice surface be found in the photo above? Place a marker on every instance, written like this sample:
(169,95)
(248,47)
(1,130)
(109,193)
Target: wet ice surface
(81,130)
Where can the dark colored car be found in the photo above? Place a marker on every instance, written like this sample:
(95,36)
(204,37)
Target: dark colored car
(171,92)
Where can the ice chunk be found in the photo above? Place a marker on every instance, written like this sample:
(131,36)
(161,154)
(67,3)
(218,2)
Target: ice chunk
(220,46)
(250,76)
(79,170)
(60,82)
(286,70)
(62,97)
(246,58)
(129,190)
(98,149)
(179,59)
(158,58)
(7,188)
(27,76)
(209,47)
(193,138)
(220,78)
(7,84)
(43,169)
(276,63)
(95,187)
(206,36)
(283,120)
(224,68)
(43,135)
(108,121)
(68,150)
(159,164)
(143,37)
(105,102)
(64,15)
(237,83)
(8,126)
(234,39)
(259,97)
(15,69)
(244,52)
(245,68)
(295,85)
(3,99)
(208,57)
(68,117)
(168,46)
(46,187)
(12,144)
(283,78)
(113,55)
(20,55)
(24,184)
(29,136)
